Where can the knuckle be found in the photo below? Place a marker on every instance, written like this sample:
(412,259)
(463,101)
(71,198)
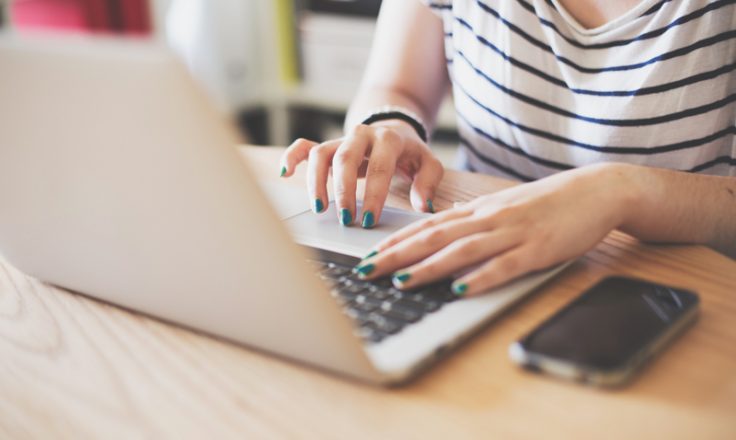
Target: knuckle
(433,237)
(429,268)
(501,215)
(385,135)
(341,192)
(390,259)
(361,130)
(469,247)
(508,265)
(435,164)
(428,223)
(318,152)
(378,168)
(296,143)
(433,221)
(340,159)
(343,157)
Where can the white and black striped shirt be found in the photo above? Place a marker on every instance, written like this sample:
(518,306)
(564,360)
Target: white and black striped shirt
(537,93)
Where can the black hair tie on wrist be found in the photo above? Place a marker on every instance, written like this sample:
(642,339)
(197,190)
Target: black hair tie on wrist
(383,116)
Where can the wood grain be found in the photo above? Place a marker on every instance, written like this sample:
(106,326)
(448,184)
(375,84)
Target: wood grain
(73,367)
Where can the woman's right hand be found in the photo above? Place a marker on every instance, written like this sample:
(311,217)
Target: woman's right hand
(376,152)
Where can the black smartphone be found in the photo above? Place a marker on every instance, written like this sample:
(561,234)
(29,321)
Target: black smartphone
(608,332)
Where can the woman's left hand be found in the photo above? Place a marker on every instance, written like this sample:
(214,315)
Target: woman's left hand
(509,233)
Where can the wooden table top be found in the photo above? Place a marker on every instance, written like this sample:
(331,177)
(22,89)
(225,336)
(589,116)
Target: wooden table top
(72,367)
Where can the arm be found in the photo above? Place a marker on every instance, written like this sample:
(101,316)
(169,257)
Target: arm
(406,68)
(407,63)
(551,220)
(672,206)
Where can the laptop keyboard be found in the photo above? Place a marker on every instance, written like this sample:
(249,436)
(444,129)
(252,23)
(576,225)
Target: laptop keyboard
(379,309)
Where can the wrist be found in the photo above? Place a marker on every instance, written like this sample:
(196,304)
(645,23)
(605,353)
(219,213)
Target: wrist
(619,187)
(403,128)
(623,187)
(393,112)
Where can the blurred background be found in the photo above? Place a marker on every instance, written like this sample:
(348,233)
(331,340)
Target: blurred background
(282,68)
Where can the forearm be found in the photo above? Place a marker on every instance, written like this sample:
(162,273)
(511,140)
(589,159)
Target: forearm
(679,207)
(407,63)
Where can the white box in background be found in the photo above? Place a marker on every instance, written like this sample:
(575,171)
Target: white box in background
(335,50)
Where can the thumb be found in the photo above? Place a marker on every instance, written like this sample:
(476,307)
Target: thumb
(425,184)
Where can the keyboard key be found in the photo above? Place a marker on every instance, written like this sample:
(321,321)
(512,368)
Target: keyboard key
(369,332)
(366,304)
(357,314)
(354,288)
(346,295)
(401,313)
(337,271)
(418,306)
(385,324)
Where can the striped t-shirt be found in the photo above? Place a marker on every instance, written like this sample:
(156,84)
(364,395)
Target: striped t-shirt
(536,92)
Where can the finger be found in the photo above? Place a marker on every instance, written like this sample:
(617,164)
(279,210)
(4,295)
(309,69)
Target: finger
(418,226)
(419,246)
(425,184)
(295,154)
(318,170)
(345,163)
(459,254)
(499,270)
(381,167)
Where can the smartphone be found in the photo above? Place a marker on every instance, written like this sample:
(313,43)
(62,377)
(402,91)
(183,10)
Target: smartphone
(605,335)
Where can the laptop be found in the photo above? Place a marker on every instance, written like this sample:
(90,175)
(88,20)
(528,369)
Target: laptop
(121,181)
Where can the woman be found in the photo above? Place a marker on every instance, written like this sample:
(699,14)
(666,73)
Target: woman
(619,115)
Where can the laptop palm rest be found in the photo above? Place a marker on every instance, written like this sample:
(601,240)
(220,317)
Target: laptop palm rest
(324,231)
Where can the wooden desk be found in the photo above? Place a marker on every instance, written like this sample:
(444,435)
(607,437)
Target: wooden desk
(71,367)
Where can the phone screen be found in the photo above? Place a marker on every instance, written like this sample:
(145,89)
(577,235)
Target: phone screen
(610,323)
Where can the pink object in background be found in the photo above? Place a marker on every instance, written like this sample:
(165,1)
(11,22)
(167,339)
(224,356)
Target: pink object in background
(83,16)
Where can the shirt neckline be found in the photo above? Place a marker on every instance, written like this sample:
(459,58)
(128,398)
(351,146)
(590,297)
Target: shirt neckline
(631,14)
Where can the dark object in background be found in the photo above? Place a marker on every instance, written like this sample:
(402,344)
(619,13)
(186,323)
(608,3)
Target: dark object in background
(367,8)
(608,332)
(253,125)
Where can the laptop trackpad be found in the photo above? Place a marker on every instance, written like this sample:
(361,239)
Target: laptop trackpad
(325,232)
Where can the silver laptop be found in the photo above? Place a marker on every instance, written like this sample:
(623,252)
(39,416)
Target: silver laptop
(119,180)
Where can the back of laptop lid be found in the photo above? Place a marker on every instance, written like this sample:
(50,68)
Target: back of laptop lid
(119,180)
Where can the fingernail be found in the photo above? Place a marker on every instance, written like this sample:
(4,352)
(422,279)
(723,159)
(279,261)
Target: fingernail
(459,289)
(364,269)
(370,254)
(401,278)
(430,206)
(345,217)
(283,171)
(318,205)
(368,220)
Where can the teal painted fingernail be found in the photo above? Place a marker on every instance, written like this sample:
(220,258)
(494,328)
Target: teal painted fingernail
(368,220)
(430,206)
(459,289)
(345,217)
(370,254)
(283,171)
(364,269)
(401,277)
(318,205)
